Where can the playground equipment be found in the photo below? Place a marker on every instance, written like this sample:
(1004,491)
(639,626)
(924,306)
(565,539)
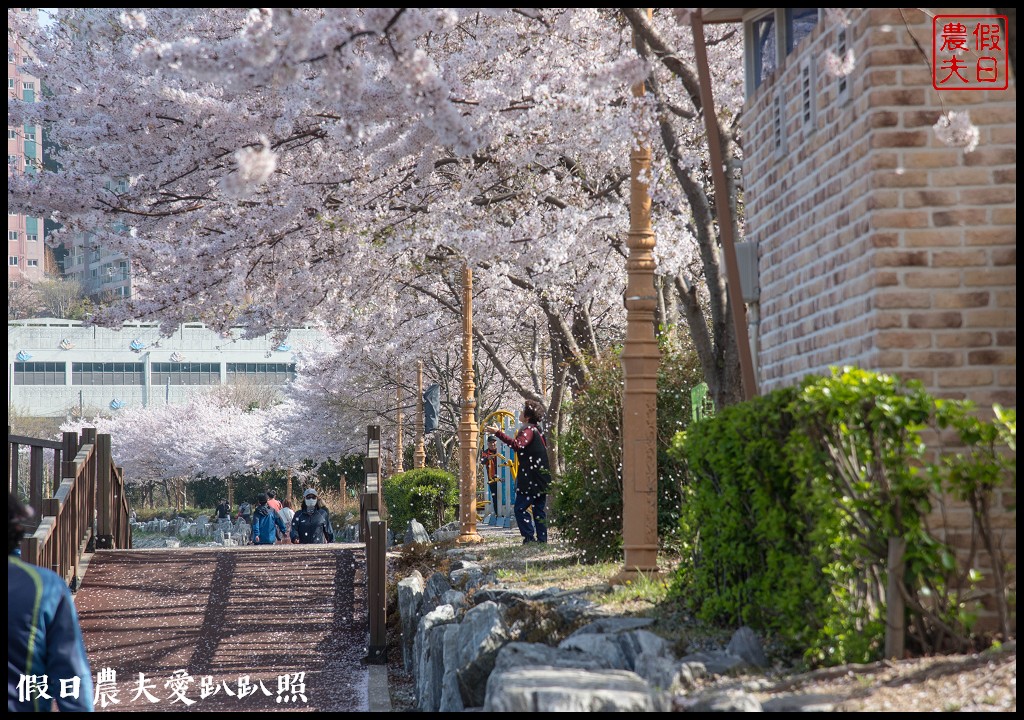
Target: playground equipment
(507,465)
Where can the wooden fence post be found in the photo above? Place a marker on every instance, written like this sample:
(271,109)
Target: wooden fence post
(69,450)
(376,580)
(12,466)
(104,494)
(35,477)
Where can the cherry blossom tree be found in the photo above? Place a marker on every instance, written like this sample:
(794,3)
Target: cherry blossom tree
(269,168)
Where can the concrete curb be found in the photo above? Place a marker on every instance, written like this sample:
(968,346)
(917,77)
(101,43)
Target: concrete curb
(379,695)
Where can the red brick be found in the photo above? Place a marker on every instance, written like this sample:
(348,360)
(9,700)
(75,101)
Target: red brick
(883,119)
(900,219)
(1006,377)
(934,358)
(991,318)
(963,340)
(961,300)
(896,178)
(892,56)
(899,138)
(964,378)
(891,359)
(1005,176)
(887,279)
(971,217)
(886,320)
(884,161)
(1006,298)
(996,114)
(932,278)
(989,196)
(1000,235)
(888,240)
(915,76)
(930,158)
(1004,216)
(990,156)
(883,200)
(901,258)
(1006,338)
(920,118)
(989,277)
(992,357)
(928,198)
(957,176)
(959,258)
(1006,397)
(903,340)
(935,320)
(1004,256)
(946,237)
(896,299)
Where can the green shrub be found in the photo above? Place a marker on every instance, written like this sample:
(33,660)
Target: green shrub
(745,524)
(428,495)
(586,503)
(794,497)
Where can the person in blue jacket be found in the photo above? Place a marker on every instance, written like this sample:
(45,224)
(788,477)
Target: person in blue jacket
(43,635)
(265,523)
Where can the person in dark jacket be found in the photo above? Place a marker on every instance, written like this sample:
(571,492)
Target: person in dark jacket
(533,474)
(223,511)
(44,640)
(265,523)
(311,524)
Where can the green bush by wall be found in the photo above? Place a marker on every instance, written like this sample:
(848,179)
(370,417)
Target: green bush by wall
(428,495)
(792,499)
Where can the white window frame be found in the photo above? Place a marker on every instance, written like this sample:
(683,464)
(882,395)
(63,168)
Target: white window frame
(12,261)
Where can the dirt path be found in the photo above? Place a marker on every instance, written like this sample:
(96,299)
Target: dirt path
(239,626)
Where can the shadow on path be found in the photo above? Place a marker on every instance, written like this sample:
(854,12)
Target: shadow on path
(244,628)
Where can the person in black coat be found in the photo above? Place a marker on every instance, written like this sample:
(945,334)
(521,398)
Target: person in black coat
(311,524)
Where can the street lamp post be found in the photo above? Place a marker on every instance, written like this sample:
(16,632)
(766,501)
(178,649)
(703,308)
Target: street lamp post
(467,428)
(419,456)
(399,461)
(640,359)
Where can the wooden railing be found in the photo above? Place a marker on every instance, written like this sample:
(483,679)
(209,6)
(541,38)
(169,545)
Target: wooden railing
(88,508)
(373,531)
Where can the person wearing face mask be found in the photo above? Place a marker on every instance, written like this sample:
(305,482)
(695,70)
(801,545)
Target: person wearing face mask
(311,524)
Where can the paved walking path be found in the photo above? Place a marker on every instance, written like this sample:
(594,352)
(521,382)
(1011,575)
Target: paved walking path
(228,629)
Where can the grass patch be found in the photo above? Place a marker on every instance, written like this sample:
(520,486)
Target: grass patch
(644,589)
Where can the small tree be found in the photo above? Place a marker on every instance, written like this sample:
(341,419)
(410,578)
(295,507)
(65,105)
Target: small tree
(63,298)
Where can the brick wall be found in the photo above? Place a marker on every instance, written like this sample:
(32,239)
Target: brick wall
(879,246)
